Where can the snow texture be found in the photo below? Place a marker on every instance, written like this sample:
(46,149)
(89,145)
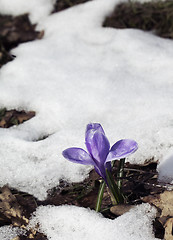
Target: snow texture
(70,222)
(8,233)
(78,73)
(165,169)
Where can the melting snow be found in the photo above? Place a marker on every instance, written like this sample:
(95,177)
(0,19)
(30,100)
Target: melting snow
(70,222)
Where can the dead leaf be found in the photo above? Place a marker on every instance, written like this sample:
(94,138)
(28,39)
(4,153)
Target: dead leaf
(23,116)
(2,123)
(12,117)
(120,209)
(168,229)
(163,201)
(16,238)
(11,209)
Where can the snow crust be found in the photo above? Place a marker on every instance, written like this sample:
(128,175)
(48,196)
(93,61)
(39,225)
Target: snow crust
(165,169)
(8,233)
(70,222)
(80,73)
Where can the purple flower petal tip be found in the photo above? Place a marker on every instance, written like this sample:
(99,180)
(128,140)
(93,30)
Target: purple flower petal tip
(122,149)
(94,126)
(78,155)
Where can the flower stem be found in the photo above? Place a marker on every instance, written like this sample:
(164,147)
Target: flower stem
(120,173)
(117,197)
(100,196)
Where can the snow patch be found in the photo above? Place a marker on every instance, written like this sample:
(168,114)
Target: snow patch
(165,169)
(70,222)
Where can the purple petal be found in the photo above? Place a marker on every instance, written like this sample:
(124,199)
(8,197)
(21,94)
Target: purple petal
(78,155)
(101,171)
(97,145)
(122,149)
(95,126)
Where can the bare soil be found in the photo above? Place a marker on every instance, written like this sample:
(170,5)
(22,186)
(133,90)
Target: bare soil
(155,16)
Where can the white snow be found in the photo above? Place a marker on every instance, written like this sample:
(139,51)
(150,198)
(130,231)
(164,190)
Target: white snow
(80,73)
(9,233)
(70,222)
(165,169)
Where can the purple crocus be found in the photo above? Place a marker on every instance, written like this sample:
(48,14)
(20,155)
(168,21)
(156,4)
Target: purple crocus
(99,153)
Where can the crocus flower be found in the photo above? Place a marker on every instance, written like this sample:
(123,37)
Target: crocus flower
(99,153)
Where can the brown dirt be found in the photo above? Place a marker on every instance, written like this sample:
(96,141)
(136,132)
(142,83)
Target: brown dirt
(64,4)
(13,31)
(156,16)
(9,118)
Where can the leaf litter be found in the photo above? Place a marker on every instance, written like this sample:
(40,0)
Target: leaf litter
(9,118)
(155,16)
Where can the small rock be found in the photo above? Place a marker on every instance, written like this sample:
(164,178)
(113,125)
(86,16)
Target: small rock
(121,209)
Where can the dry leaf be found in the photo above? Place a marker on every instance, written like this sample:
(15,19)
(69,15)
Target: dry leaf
(16,238)
(168,229)
(10,208)
(164,201)
(120,209)
(24,116)
(12,117)
(2,123)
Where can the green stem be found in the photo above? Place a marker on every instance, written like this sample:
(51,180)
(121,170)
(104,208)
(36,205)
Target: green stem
(100,196)
(120,173)
(117,197)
